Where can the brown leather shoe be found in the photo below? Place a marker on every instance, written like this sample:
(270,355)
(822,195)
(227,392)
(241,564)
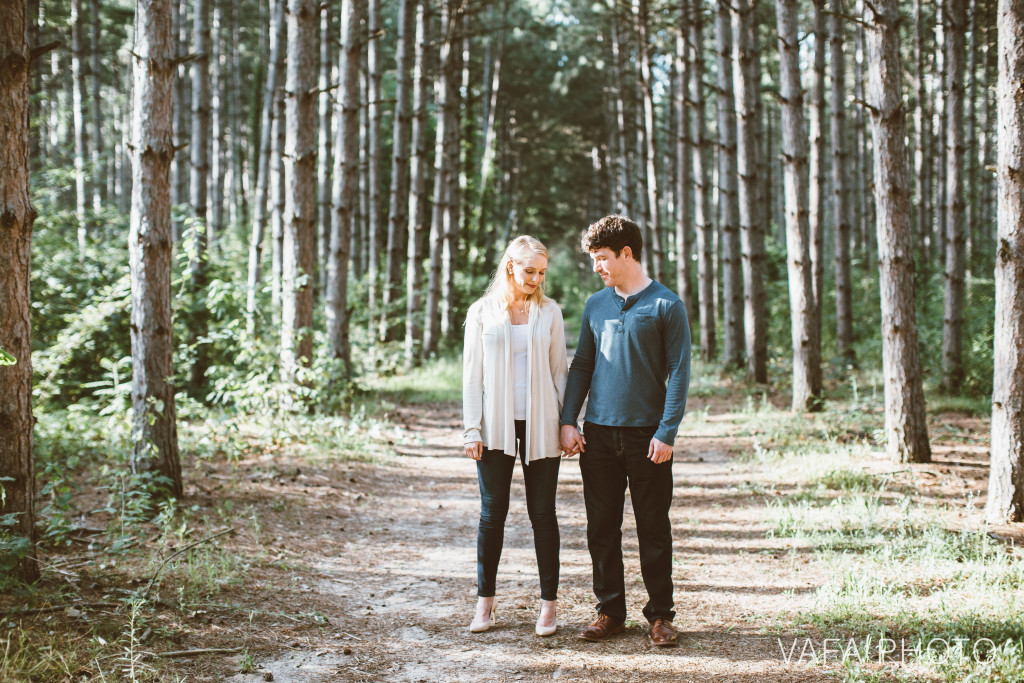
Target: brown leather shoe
(601,628)
(663,633)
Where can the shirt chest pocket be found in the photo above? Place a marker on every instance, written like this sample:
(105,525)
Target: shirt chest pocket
(645,328)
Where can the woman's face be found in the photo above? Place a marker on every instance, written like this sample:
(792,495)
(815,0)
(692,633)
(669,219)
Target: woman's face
(528,275)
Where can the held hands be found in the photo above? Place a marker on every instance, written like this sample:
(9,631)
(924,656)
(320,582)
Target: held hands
(475,450)
(658,452)
(571,441)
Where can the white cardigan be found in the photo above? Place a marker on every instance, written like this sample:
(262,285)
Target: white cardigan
(487,378)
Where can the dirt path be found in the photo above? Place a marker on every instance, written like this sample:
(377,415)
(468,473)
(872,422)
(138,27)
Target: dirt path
(395,575)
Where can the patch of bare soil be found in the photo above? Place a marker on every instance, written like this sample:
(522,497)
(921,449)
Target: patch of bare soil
(395,577)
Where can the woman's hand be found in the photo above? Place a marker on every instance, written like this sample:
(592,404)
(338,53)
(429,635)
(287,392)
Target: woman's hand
(475,450)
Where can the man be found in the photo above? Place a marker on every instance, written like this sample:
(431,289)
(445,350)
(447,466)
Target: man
(633,358)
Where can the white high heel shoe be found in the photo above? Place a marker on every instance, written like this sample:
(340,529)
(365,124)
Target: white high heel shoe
(480,626)
(545,631)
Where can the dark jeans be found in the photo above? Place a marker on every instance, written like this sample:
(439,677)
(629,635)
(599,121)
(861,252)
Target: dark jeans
(615,457)
(494,471)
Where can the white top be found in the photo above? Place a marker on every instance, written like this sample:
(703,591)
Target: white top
(487,378)
(520,343)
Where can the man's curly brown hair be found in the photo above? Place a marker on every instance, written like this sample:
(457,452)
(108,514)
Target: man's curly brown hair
(614,232)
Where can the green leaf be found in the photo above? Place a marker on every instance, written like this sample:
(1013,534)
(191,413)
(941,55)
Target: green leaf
(6,358)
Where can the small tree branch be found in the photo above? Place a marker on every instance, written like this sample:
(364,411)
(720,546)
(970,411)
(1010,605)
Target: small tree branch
(40,50)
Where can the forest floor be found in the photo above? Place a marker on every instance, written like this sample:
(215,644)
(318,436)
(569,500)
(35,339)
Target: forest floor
(364,569)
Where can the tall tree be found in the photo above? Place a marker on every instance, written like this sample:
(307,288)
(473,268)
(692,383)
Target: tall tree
(906,428)
(78,117)
(649,148)
(956,241)
(215,224)
(98,174)
(805,329)
(154,426)
(417,187)
(443,172)
(344,180)
(1006,476)
(16,217)
(818,147)
(264,170)
(840,189)
(747,75)
(923,139)
(325,142)
(683,165)
(373,159)
(703,218)
(732,268)
(297,253)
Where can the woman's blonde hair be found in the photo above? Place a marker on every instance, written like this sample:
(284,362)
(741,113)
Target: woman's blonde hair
(517,251)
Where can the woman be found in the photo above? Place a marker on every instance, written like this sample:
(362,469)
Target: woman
(513,382)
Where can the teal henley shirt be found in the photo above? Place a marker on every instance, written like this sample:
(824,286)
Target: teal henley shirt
(633,357)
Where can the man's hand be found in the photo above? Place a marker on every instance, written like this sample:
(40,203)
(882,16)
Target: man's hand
(475,450)
(572,441)
(658,452)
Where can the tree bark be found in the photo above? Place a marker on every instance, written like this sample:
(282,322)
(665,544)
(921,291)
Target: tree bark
(1006,476)
(956,242)
(373,170)
(199,190)
(78,120)
(703,218)
(905,424)
(298,248)
(747,76)
(345,179)
(98,174)
(154,427)
(804,327)
(683,164)
(649,149)
(442,184)
(417,188)
(624,184)
(818,147)
(325,143)
(264,172)
(732,268)
(923,136)
(215,225)
(840,193)
(16,217)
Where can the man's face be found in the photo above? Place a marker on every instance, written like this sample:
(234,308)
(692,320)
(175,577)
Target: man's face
(611,268)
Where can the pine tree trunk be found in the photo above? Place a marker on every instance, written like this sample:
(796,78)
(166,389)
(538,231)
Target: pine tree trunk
(956,243)
(746,76)
(344,179)
(325,145)
(624,193)
(683,165)
(373,151)
(277,188)
(298,261)
(236,191)
(199,190)
(1006,477)
(16,217)
(492,85)
(818,147)
(154,427)
(840,193)
(732,267)
(180,171)
(653,199)
(417,187)
(923,146)
(940,229)
(905,424)
(973,235)
(442,184)
(703,218)
(215,225)
(78,119)
(805,329)
(98,175)
(453,162)
(264,172)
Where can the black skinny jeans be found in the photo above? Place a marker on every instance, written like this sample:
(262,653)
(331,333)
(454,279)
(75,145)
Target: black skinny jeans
(494,471)
(616,457)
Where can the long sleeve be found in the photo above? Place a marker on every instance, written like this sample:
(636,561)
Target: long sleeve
(677,356)
(580,372)
(473,378)
(557,356)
